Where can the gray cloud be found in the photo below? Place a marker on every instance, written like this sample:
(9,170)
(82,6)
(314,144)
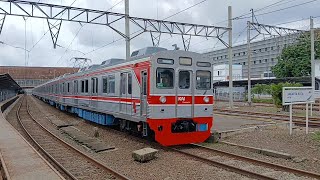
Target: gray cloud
(92,37)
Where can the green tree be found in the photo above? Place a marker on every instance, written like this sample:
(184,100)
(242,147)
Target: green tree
(294,60)
(276,91)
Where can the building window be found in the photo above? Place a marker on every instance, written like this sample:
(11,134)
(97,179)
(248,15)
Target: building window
(266,49)
(225,56)
(254,62)
(272,48)
(260,61)
(272,59)
(244,63)
(244,53)
(265,60)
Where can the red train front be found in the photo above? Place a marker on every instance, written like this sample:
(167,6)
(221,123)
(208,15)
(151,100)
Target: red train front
(179,106)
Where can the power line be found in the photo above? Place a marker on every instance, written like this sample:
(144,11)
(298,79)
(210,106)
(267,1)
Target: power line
(140,30)
(48,29)
(308,2)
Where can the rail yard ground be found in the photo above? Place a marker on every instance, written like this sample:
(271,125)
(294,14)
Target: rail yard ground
(200,163)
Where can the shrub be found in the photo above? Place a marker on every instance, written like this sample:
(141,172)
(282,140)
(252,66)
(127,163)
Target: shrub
(276,91)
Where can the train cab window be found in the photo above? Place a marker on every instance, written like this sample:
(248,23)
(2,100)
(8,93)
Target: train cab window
(184,79)
(165,78)
(185,61)
(203,64)
(203,80)
(129,83)
(111,84)
(165,61)
(105,85)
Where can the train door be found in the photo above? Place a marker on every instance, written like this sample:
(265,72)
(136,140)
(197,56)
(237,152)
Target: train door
(184,94)
(123,92)
(143,94)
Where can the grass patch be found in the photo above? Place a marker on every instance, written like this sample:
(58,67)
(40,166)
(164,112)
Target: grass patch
(268,101)
(316,136)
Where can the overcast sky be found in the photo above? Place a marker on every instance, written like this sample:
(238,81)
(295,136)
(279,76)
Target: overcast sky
(89,38)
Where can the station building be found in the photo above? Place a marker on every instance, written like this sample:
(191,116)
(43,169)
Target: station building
(30,77)
(264,55)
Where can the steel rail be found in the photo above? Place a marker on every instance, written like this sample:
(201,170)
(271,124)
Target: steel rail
(263,163)
(312,121)
(99,164)
(224,166)
(39,146)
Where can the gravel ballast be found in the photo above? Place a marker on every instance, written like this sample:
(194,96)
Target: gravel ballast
(167,165)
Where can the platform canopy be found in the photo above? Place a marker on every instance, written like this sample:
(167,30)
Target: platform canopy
(6,82)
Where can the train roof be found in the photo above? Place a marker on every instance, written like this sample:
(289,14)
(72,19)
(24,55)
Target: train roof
(136,55)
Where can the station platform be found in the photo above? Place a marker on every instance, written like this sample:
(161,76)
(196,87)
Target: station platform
(19,160)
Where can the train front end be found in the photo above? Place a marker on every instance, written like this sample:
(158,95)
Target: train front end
(180,101)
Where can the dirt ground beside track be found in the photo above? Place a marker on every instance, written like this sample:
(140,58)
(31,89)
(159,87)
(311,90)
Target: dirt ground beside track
(304,148)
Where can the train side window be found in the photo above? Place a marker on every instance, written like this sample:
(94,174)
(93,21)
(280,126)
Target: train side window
(68,87)
(75,87)
(203,80)
(105,85)
(111,84)
(123,83)
(63,87)
(129,83)
(94,83)
(184,79)
(82,86)
(165,78)
(86,90)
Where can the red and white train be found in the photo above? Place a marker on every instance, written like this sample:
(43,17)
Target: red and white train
(164,94)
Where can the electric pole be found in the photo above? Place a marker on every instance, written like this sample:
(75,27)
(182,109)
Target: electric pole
(127,29)
(230,57)
(313,81)
(249,56)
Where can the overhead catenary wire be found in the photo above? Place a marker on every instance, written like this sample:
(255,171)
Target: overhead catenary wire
(122,38)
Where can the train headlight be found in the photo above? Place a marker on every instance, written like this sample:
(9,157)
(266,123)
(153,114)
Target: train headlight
(206,99)
(163,99)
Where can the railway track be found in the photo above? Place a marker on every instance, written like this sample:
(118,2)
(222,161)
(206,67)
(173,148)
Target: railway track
(313,122)
(71,162)
(249,167)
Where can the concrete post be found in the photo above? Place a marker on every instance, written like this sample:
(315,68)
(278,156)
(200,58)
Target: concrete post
(230,57)
(127,29)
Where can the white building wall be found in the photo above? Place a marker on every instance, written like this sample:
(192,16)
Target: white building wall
(221,72)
